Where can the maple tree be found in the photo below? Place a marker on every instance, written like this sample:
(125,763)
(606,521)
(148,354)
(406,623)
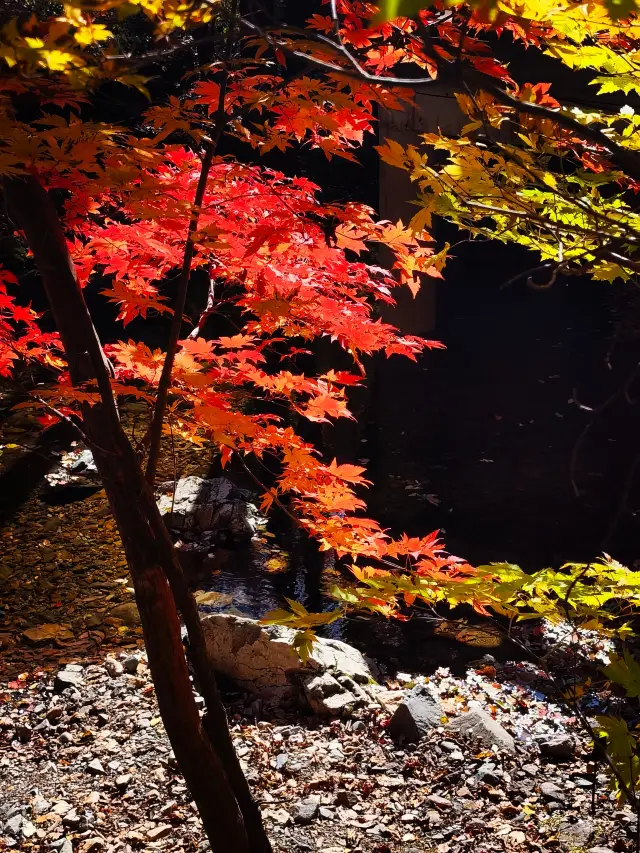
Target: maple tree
(133,209)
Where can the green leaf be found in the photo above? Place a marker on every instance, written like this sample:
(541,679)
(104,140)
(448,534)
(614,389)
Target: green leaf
(625,671)
(619,741)
(303,644)
(276,617)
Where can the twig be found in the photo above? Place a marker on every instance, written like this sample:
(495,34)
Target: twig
(155,431)
(596,413)
(61,416)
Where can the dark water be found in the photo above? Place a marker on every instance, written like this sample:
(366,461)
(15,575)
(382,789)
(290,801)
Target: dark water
(244,582)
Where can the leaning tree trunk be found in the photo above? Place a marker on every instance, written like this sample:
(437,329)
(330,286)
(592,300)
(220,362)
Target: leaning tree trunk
(203,748)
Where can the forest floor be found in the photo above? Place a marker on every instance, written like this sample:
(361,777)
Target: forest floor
(85,765)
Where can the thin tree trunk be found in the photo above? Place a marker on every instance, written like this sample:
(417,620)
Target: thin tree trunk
(149,551)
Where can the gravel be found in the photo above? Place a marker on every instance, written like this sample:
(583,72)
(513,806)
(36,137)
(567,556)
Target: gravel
(101,775)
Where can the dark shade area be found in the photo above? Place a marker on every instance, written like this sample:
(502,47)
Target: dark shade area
(489,426)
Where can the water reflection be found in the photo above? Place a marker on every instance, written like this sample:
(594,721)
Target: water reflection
(245,581)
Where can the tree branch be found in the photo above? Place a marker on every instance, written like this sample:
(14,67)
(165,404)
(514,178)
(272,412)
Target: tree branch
(458,76)
(155,431)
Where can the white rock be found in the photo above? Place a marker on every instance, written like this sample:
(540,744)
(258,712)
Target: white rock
(201,505)
(261,659)
(113,667)
(326,695)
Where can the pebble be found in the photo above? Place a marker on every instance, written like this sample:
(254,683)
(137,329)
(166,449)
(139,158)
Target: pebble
(113,667)
(434,818)
(131,664)
(281,761)
(67,678)
(282,817)
(54,714)
(122,782)
(24,732)
(440,802)
(13,826)
(552,792)
(40,805)
(559,746)
(95,767)
(159,832)
(488,773)
(348,799)
(28,829)
(306,811)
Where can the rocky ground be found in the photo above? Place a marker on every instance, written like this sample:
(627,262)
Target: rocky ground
(86,766)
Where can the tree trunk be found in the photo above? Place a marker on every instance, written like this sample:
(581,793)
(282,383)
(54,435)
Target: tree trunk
(219,795)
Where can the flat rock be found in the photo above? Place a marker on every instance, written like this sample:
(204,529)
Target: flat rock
(559,746)
(91,845)
(262,660)
(439,801)
(551,791)
(66,678)
(479,727)
(327,694)
(47,633)
(127,613)
(95,767)
(576,835)
(13,826)
(159,831)
(419,712)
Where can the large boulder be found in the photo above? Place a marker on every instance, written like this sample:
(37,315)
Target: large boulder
(213,509)
(262,660)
